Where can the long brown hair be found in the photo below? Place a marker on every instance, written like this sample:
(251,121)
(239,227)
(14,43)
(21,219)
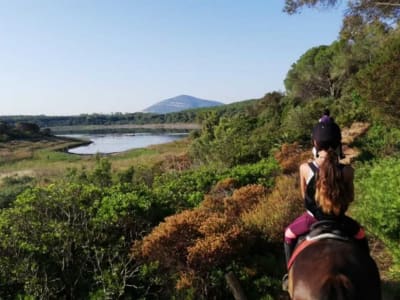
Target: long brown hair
(332,192)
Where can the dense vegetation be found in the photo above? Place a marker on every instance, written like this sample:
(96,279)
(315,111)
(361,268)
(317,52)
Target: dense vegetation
(103,119)
(21,130)
(173,230)
(85,122)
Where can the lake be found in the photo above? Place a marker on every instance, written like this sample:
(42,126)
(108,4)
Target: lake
(119,142)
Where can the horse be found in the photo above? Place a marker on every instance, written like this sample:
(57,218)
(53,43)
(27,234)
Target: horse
(334,269)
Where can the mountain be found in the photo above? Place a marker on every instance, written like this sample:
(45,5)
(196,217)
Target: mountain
(179,103)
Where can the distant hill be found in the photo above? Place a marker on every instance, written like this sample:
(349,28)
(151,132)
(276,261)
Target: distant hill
(180,103)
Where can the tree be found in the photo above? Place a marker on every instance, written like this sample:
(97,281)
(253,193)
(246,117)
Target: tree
(27,127)
(379,82)
(230,142)
(293,6)
(3,127)
(312,75)
(361,41)
(368,9)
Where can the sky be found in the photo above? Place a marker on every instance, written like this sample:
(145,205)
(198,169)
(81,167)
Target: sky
(71,57)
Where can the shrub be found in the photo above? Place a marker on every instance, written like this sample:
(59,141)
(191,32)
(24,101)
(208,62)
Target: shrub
(230,141)
(262,172)
(377,204)
(216,249)
(101,174)
(176,163)
(12,187)
(380,141)
(195,242)
(72,239)
(350,108)
(277,210)
(290,156)
(297,124)
(168,242)
(181,190)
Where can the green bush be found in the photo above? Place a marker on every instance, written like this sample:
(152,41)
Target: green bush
(262,172)
(12,187)
(380,141)
(232,141)
(378,202)
(182,190)
(73,239)
(299,120)
(350,108)
(187,189)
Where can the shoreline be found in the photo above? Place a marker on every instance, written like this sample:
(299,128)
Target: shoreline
(75,142)
(167,126)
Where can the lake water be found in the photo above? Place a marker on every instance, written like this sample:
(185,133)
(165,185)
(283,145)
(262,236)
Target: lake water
(114,142)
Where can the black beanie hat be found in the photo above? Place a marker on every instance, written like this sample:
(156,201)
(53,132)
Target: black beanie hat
(327,134)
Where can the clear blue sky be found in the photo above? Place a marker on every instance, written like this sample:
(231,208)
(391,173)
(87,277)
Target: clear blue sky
(66,57)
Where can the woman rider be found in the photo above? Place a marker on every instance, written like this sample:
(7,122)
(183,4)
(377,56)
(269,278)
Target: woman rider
(326,187)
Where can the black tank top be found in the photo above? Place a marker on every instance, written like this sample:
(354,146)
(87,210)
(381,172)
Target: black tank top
(309,199)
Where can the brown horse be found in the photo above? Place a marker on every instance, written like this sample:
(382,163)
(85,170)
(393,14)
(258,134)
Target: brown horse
(334,269)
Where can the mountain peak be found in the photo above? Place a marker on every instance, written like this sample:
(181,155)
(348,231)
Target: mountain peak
(179,103)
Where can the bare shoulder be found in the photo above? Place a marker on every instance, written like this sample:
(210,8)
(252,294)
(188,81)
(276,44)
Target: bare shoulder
(304,169)
(304,166)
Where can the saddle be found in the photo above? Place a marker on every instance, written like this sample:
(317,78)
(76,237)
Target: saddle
(325,229)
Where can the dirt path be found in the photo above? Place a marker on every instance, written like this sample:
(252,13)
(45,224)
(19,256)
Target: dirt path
(348,136)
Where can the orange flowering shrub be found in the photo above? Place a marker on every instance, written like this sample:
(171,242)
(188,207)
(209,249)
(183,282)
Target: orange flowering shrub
(214,201)
(169,241)
(215,249)
(203,237)
(186,280)
(290,156)
(224,187)
(243,199)
(215,223)
(277,210)
(196,243)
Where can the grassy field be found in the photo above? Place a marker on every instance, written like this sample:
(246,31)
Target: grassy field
(47,159)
